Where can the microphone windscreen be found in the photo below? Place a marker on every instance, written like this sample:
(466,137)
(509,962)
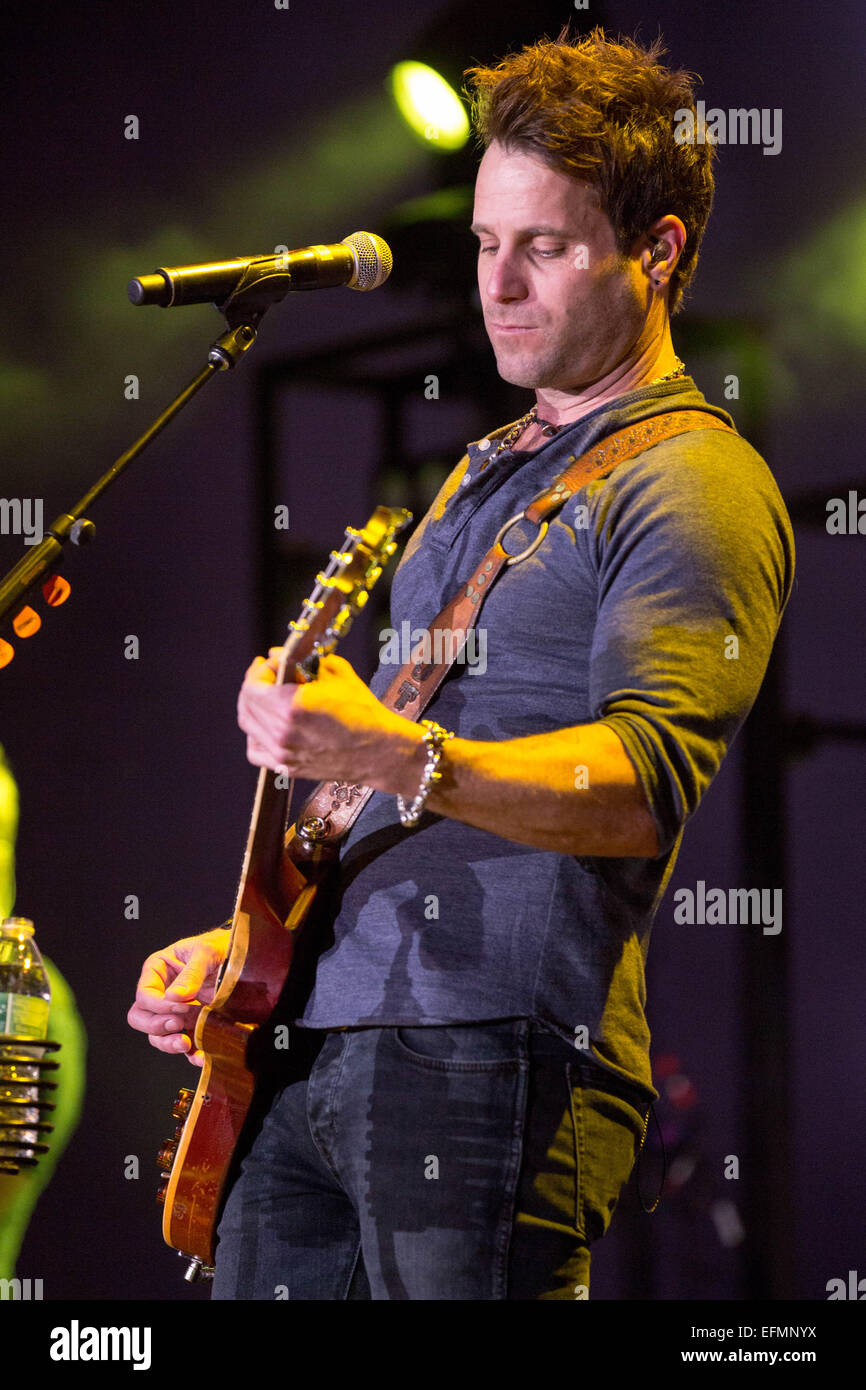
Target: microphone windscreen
(374,258)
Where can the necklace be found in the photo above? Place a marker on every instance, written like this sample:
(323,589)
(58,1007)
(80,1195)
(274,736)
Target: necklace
(531,417)
(679,370)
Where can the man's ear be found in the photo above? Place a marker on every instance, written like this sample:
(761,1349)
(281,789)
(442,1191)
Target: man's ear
(663,246)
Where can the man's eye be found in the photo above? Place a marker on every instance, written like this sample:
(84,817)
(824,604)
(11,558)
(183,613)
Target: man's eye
(548,252)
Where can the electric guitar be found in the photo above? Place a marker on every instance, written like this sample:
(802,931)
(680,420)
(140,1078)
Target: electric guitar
(274,898)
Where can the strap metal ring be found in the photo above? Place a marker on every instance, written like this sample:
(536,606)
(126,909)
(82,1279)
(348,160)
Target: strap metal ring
(520,516)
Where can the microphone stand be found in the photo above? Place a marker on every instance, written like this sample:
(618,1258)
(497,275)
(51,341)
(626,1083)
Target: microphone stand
(243,311)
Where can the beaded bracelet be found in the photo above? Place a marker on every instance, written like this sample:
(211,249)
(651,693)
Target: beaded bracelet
(434,740)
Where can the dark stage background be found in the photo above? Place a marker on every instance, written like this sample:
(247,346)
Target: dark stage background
(259,127)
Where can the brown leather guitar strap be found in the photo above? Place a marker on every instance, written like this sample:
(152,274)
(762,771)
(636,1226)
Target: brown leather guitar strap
(333,807)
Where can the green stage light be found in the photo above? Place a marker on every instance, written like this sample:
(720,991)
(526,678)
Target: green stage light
(430,106)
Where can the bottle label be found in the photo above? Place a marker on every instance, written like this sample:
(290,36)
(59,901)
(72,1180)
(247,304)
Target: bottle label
(24,1015)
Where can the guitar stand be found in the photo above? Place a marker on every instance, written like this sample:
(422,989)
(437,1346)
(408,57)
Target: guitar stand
(23,1150)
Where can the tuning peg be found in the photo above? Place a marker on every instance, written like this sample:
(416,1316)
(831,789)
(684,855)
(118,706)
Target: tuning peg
(180,1109)
(165,1157)
(7,651)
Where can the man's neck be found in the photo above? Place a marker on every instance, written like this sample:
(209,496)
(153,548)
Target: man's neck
(564,407)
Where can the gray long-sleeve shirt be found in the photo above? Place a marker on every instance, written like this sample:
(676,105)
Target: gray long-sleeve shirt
(624,614)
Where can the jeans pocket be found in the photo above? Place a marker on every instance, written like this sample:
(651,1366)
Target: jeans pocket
(607,1134)
(466,1046)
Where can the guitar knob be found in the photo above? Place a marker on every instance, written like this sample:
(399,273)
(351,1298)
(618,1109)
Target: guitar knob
(180,1109)
(160,1196)
(165,1157)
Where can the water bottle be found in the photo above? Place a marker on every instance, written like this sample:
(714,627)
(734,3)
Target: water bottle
(25,1000)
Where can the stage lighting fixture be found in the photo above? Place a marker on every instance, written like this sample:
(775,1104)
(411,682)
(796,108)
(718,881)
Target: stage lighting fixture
(430,106)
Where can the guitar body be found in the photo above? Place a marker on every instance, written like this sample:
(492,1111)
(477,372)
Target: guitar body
(257,968)
(278,885)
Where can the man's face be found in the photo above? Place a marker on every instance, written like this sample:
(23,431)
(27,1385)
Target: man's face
(562,307)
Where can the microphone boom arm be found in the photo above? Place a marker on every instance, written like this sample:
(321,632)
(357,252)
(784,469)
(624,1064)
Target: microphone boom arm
(33,567)
(243,290)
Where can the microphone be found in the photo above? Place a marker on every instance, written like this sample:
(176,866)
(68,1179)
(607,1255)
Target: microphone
(361,261)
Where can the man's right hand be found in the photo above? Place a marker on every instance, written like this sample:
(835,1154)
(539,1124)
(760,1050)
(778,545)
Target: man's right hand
(173,986)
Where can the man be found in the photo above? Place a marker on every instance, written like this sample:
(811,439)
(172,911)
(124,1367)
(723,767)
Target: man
(483,1082)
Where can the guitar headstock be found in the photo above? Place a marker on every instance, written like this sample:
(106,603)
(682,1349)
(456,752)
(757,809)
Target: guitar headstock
(341,591)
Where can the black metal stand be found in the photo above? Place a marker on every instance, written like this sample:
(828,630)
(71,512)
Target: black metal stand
(73,525)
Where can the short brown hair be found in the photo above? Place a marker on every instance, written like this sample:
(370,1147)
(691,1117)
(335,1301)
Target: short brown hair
(604,112)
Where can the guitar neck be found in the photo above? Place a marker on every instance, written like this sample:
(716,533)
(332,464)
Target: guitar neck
(339,592)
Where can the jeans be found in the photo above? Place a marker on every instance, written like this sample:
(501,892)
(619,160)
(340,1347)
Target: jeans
(474,1161)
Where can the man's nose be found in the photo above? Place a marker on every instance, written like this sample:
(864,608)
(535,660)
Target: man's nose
(504,281)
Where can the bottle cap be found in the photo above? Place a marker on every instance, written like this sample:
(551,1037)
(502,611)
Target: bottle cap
(17,926)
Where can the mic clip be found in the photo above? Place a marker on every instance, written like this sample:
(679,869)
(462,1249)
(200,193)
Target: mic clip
(252,296)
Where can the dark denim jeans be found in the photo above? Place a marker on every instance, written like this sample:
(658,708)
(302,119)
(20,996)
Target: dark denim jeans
(476,1161)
